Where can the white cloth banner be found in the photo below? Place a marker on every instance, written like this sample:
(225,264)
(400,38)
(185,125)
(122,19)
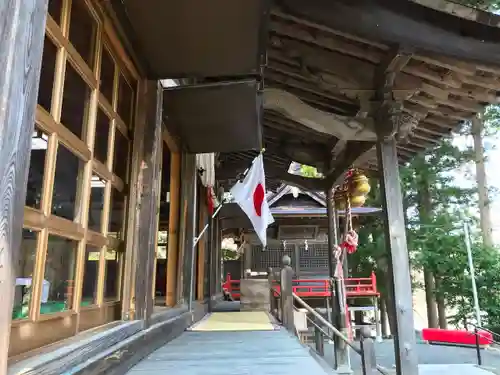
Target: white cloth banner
(206,162)
(250,194)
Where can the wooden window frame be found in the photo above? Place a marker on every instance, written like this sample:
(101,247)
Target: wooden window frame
(42,220)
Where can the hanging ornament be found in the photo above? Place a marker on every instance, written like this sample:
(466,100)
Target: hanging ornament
(350,242)
(360,184)
(306,245)
(350,237)
(339,271)
(357,187)
(357,200)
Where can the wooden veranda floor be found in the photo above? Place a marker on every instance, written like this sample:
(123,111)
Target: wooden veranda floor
(232,352)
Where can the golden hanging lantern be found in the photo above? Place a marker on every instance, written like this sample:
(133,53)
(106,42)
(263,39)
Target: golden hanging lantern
(359,184)
(357,200)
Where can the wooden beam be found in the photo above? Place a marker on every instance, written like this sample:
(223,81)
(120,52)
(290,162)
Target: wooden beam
(21,44)
(450,79)
(287,30)
(170,140)
(301,21)
(477,93)
(450,63)
(311,83)
(314,99)
(402,23)
(329,61)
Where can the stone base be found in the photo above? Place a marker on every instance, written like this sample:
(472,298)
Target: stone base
(255,295)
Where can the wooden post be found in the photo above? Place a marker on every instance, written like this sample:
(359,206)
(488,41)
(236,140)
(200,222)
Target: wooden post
(286,294)
(319,342)
(377,319)
(194,237)
(404,337)
(218,257)
(173,229)
(22,25)
(188,225)
(338,313)
(210,249)
(149,202)
(247,259)
(368,358)
(201,251)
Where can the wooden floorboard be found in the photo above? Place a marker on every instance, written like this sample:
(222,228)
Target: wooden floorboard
(231,353)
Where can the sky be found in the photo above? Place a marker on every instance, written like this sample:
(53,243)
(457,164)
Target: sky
(466,176)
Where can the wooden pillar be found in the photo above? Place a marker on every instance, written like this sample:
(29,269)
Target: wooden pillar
(404,337)
(149,177)
(201,252)
(286,282)
(376,312)
(22,25)
(247,259)
(383,318)
(173,229)
(218,258)
(188,227)
(338,312)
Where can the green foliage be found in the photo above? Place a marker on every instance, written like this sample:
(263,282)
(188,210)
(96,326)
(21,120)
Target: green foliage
(309,171)
(230,254)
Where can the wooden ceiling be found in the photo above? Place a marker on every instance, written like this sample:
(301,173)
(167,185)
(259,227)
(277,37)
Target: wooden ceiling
(336,72)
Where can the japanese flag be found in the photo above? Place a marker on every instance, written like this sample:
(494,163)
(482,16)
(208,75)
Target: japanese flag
(250,194)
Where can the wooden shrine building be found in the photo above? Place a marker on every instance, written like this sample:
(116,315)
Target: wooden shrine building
(122,120)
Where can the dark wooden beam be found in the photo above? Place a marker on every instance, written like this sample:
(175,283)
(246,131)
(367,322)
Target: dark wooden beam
(405,23)
(22,25)
(315,99)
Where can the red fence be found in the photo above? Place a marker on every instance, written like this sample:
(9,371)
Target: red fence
(355,287)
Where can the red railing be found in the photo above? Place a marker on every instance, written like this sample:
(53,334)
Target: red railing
(355,287)
(232,287)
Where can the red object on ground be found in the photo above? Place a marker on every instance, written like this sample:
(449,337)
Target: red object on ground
(355,287)
(459,337)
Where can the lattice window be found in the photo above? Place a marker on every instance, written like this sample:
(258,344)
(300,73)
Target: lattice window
(271,257)
(315,257)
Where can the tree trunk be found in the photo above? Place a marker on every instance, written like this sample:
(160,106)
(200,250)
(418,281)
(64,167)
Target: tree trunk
(432,313)
(383,317)
(441,304)
(425,210)
(384,268)
(484,207)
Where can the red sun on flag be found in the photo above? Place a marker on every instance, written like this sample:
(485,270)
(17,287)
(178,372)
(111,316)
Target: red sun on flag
(258,199)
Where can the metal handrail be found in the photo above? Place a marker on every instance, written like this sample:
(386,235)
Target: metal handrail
(485,329)
(478,335)
(328,325)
